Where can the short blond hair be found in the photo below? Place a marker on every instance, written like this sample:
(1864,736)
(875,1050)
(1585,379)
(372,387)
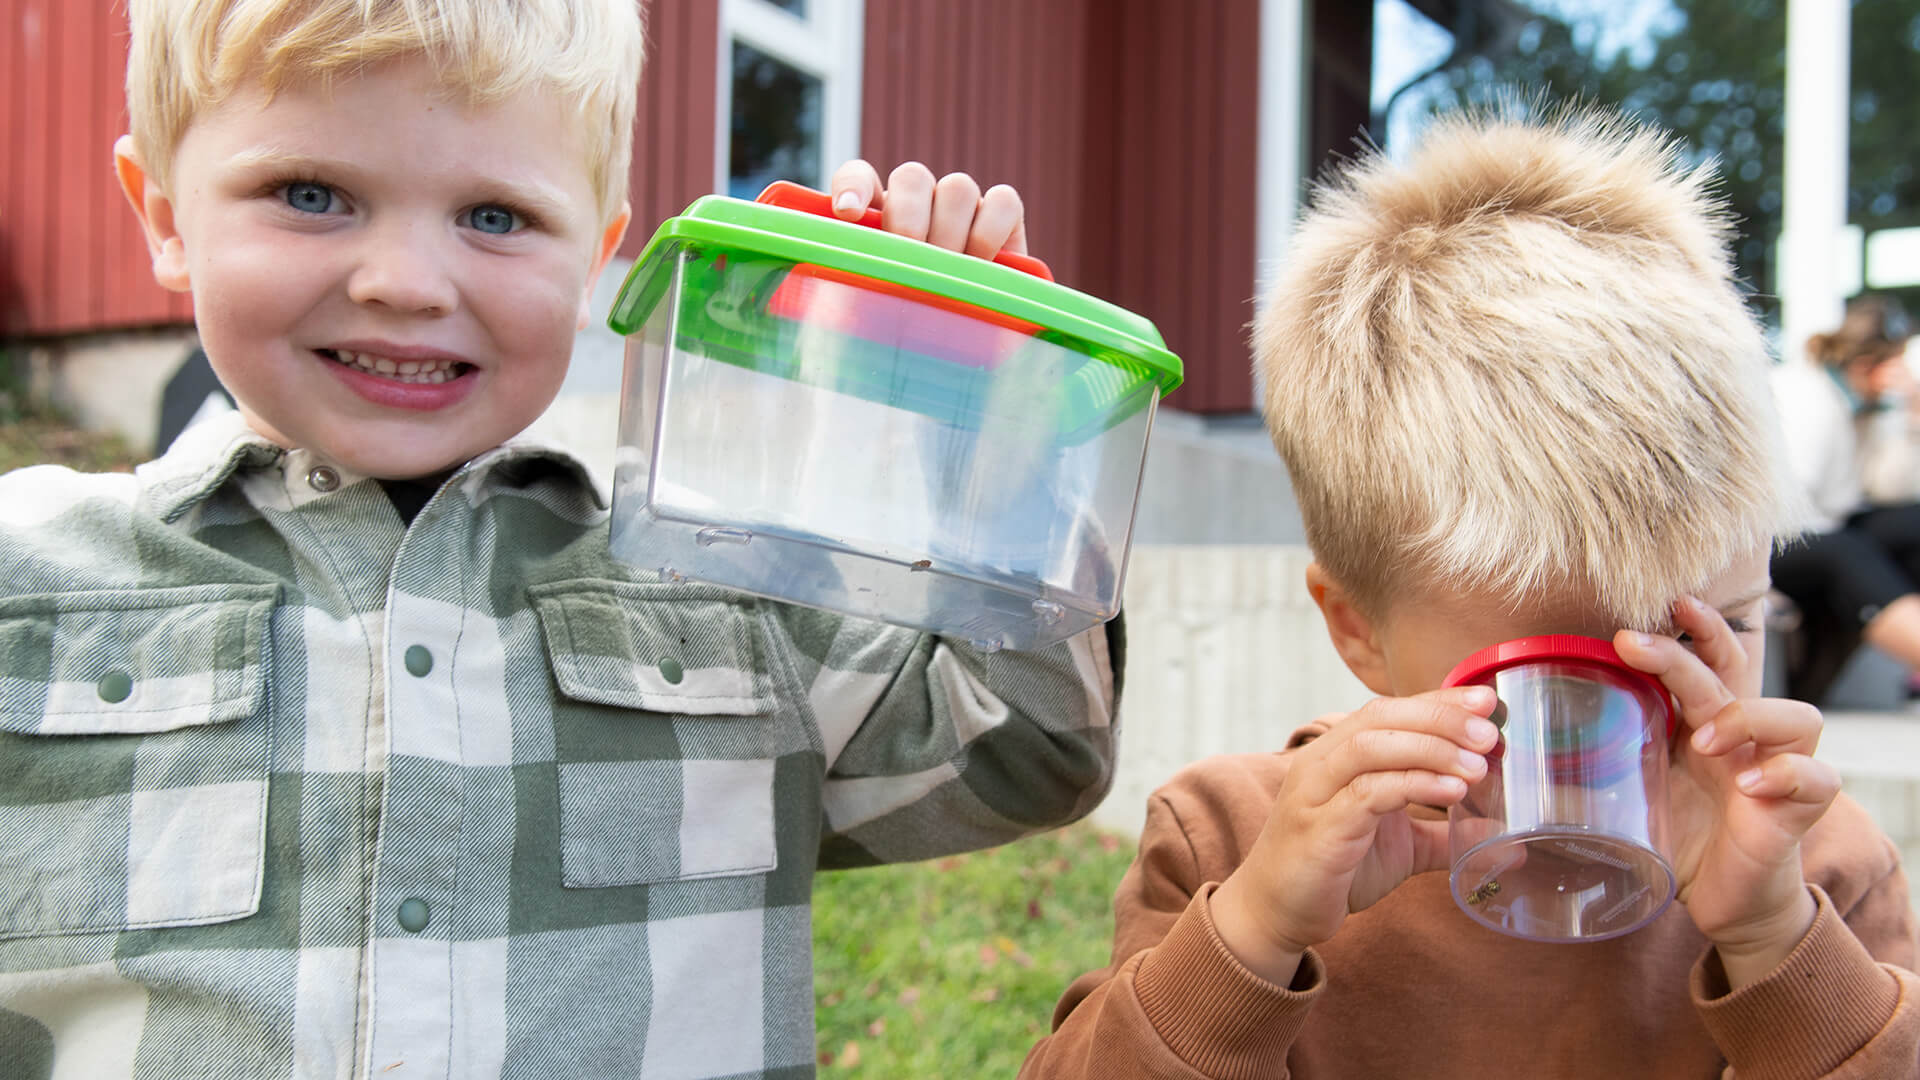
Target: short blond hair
(187,55)
(1519,362)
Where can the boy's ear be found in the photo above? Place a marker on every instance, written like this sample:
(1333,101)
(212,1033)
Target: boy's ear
(1354,635)
(616,231)
(155,211)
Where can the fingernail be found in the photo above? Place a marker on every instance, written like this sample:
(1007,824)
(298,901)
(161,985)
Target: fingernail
(1748,780)
(1479,697)
(1645,641)
(846,200)
(1481,731)
(1472,760)
(1703,738)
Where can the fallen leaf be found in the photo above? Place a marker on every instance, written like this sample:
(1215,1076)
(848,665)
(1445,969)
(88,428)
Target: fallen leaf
(1022,959)
(987,996)
(1005,944)
(1033,909)
(873,989)
(850,1054)
(877,1028)
(910,995)
(833,998)
(1109,842)
(989,956)
(825,1057)
(951,862)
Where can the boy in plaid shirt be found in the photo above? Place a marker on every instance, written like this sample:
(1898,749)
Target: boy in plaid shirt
(333,743)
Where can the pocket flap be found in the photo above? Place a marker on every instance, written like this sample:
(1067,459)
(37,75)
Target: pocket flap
(663,648)
(129,661)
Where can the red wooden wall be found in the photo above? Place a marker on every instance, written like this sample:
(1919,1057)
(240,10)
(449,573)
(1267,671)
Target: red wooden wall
(674,128)
(71,256)
(1129,127)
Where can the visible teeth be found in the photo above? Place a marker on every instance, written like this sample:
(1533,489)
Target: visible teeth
(406,371)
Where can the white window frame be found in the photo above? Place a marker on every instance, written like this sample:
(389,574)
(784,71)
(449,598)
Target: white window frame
(828,44)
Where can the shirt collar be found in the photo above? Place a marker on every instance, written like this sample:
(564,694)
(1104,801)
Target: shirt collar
(209,453)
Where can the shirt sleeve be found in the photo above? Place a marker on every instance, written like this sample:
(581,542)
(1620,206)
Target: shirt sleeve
(1833,1008)
(933,746)
(1174,1002)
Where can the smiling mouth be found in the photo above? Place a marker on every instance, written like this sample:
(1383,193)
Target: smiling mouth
(420,372)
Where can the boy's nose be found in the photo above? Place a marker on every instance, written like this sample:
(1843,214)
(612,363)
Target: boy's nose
(402,269)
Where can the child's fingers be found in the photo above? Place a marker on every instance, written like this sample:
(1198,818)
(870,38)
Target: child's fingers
(956,199)
(1793,778)
(1714,642)
(1698,693)
(994,227)
(908,209)
(855,186)
(1377,794)
(1443,733)
(1770,725)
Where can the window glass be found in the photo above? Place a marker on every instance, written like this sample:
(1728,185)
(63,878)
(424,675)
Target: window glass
(775,131)
(798,7)
(1883,183)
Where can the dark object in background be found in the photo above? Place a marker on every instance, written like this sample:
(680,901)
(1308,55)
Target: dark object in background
(187,393)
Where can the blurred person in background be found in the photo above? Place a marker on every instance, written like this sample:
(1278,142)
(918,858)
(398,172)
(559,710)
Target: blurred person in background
(1850,414)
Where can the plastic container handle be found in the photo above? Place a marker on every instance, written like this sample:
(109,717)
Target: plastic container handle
(792,196)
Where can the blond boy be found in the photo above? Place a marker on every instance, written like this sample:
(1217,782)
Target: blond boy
(1518,393)
(333,743)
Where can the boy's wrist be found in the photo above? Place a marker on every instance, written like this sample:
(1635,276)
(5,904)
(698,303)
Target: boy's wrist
(1248,936)
(1752,953)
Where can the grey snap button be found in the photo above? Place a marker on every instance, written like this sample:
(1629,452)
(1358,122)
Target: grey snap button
(115,687)
(419,661)
(413,915)
(321,478)
(671,671)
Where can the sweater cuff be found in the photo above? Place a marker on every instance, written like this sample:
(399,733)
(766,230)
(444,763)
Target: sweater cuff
(1824,1002)
(1214,1013)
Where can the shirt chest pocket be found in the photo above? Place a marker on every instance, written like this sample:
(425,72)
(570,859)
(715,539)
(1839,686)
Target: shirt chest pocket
(665,735)
(134,753)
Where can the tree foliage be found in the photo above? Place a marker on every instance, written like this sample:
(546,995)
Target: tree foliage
(1715,75)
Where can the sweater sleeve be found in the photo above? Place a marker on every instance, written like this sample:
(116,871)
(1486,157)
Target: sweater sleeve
(933,746)
(1174,1002)
(1831,1009)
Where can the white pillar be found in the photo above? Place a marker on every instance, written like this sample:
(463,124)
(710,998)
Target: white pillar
(1280,157)
(1814,210)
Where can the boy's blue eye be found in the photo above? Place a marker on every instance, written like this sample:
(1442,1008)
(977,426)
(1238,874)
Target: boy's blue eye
(308,198)
(497,220)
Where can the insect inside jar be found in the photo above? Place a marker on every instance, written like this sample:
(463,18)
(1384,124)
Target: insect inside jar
(1482,893)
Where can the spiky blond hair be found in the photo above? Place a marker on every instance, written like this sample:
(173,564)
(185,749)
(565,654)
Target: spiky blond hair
(1519,363)
(187,55)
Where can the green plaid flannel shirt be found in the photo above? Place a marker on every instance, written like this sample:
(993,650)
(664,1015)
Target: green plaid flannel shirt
(289,788)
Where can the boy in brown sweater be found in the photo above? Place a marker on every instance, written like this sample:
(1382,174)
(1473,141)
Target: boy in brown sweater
(1518,393)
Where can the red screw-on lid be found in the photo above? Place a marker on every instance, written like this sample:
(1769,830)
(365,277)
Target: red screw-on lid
(1557,648)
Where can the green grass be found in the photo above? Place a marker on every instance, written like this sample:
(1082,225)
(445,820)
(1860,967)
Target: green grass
(952,967)
(31,434)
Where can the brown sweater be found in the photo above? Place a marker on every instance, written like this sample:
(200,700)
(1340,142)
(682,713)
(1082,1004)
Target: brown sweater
(1411,987)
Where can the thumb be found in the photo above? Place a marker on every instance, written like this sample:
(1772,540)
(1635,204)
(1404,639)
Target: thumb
(1430,847)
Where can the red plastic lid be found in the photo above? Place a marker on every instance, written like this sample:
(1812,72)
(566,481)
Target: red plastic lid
(1551,648)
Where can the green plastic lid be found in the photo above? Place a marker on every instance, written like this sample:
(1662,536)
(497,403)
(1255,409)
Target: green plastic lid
(747,264)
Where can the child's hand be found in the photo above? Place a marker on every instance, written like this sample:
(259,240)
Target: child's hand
(949,213)
(1746,790)
(1339,837)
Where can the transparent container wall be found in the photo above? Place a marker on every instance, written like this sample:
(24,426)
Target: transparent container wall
(831,441)
(1565,839)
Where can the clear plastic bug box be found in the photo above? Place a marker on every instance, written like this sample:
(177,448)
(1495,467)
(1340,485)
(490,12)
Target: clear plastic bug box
(825,413)
(1566,837)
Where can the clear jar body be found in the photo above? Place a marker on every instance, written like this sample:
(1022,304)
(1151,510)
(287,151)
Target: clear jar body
(1567,838)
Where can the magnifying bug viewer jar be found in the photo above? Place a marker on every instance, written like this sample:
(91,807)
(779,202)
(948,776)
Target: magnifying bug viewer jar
(1566,838)
(825,413)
